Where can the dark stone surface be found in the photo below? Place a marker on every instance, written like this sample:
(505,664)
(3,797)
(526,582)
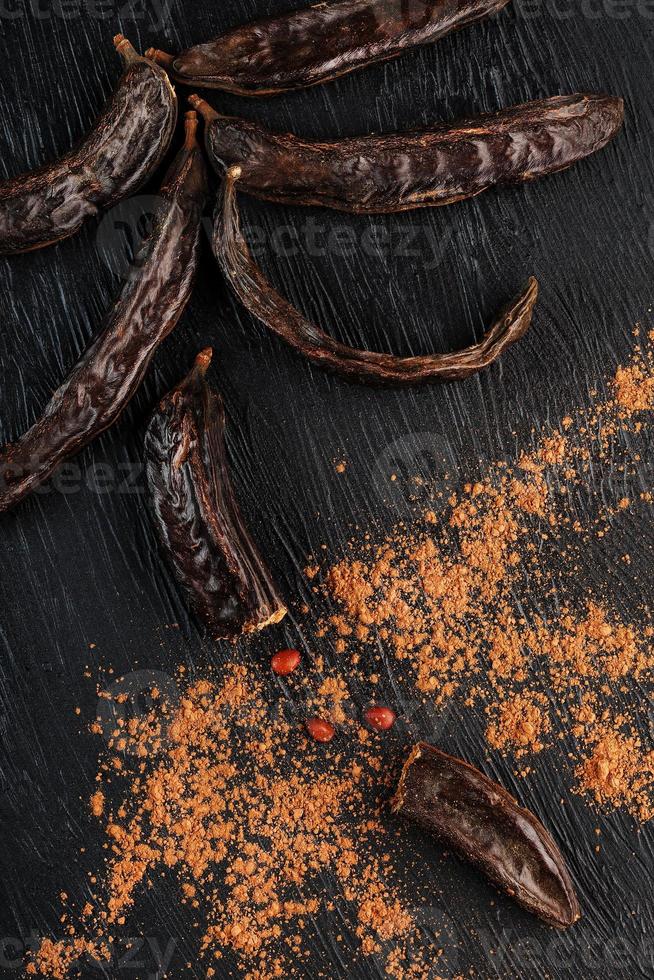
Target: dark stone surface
(81,567)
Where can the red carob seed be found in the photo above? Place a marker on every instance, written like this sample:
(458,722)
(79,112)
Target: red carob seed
(380,719)
(320,730)
(285,661)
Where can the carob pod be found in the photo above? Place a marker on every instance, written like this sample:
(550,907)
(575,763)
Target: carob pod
(197,518)
(124,148)
(261,299)
(399,172)
(480,820)
(319,43)
(108,374)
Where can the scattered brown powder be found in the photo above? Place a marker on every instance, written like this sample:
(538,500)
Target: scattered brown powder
(229,797)
(519,724)
(470,599)
(97,803)
(553,448)
(55,959)
(634,388)
(618,771)
(222,790)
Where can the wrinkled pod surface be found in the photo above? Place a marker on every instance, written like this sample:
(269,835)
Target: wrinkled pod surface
(201,532)
(108,374)
(263,301)
(402,171)
(319,43)
(122,151)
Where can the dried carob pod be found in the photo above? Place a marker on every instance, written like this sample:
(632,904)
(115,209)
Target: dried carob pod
(481,821)
(319,43)
(108,374)
(197,518)
(124,148)
(261,299)
(402,171)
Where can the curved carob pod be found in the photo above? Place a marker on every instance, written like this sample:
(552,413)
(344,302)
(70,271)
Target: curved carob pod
(124,148)
(198,522)
(261,299)
(319,43)
(110,371)
(399,172)
(483,823)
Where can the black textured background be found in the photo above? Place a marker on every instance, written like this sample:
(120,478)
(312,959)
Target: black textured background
(81,567)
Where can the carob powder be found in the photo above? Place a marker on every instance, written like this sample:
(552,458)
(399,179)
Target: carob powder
(254,820)
(483,600)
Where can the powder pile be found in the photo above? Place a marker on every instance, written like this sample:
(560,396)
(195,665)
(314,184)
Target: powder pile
(231,797)
(483,601)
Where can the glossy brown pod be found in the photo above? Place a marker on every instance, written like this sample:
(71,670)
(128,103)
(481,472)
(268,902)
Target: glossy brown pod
(263,301)
(319,43)
(124,148)
(108,374)
(482,822)
(200,528)
(384,174)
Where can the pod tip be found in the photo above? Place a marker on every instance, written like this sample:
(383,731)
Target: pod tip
(234,173)
(203,360)
(190,128)
(125,48)
(203,108)
(161,58)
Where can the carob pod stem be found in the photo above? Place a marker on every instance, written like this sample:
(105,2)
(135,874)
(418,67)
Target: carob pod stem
(399,172)
(198,522)
(261,299)
(480,820)
(124,148)
(319,43)
(108,374)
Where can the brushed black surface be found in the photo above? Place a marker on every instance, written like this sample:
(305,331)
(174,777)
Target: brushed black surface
(80,566)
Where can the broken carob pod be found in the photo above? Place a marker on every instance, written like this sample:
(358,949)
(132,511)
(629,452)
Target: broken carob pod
(197,518)
(319,43)
(108,374)
(261,299)
(124,148)
(482,822)
(399,172)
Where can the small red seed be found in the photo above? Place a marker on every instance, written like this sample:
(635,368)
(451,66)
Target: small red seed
(285,661)
(320,730)
(381,718)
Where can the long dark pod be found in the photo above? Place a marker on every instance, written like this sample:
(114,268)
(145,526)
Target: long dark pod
(124,148)
(200,528)
(106,377)
(319,43)
(383,174)
(263,301)
(482,822)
